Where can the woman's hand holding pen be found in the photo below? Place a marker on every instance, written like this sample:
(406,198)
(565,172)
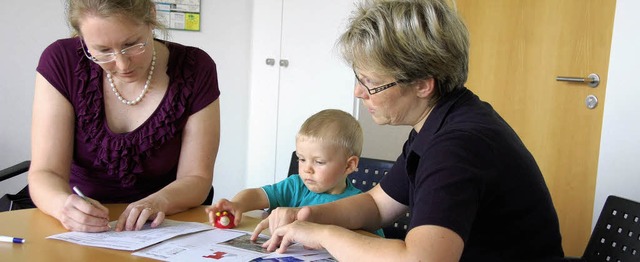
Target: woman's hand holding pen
(94,217)
(84,215)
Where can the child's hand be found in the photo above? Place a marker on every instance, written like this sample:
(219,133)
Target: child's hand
(224,205)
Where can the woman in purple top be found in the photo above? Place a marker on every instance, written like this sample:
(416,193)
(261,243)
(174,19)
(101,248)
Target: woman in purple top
(124,117)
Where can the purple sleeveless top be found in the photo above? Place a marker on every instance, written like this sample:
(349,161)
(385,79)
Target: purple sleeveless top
(123,168)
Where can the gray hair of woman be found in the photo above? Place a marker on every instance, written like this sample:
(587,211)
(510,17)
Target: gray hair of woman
(409,40)
(139,11)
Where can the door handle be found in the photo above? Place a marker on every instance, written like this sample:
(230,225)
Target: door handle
(284,62)
(593,80)
(270,61)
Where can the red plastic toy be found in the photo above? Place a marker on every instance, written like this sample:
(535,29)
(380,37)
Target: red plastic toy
(224,220)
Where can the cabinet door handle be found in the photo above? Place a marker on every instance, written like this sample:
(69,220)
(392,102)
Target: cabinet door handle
(270,61)
(592,79)
(284,62)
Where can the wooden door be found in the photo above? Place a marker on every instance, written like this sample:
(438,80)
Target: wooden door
(518,48)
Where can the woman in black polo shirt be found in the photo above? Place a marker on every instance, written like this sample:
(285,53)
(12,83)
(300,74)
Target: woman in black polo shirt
(474,191)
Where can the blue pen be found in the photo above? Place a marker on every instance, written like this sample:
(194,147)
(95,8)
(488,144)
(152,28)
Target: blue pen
(12,239)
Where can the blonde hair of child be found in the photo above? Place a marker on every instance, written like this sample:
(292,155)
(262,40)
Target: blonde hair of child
(335,127)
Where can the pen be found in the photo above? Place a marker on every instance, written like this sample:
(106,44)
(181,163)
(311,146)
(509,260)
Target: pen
(77,190)
(12,239)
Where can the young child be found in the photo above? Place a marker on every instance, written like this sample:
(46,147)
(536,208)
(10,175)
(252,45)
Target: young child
(328,147)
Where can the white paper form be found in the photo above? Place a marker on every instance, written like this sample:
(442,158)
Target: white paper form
(226,245)
(173,247)
(133,240)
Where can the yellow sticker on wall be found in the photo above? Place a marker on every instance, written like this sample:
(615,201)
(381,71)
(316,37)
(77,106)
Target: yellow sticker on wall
(192,22)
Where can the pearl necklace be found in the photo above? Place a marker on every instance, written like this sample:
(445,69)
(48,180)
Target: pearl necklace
(144,90)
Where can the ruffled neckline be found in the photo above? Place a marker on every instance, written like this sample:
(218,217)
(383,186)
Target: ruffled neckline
(122,154)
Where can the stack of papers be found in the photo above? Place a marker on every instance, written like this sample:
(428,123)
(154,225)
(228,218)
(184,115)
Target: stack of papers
(226,245)
(191,241)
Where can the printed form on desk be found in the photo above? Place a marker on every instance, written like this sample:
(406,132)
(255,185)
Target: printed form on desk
(191,241)
(133,240)
(226,245)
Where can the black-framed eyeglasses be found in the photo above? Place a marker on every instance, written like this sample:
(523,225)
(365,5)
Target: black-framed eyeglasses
(103,58)
(378,89)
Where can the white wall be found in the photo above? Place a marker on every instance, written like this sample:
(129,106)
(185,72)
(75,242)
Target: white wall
(619,164)
(225,33)
(381,142)
(28,26)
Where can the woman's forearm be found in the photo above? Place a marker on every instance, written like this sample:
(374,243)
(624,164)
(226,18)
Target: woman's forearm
(180,195)
(356,212)
(347,245)
(48,191)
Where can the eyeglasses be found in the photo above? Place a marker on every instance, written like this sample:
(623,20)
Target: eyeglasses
(102,58)
(375,90)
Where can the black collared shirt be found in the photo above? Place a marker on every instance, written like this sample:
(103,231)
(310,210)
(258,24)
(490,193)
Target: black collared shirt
(467,170)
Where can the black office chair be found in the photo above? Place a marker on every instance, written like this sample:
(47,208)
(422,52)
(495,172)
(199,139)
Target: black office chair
(366,176)
(616,235)
(20,200)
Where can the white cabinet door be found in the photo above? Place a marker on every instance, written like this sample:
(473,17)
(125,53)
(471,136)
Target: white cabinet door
(263,98)
(315,78)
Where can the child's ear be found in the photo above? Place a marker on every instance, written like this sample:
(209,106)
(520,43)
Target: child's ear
(352,164)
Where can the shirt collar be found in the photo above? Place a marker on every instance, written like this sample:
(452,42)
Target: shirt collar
(437,117)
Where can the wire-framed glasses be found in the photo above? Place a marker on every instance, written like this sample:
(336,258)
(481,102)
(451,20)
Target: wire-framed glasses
(102,58)
(377,89)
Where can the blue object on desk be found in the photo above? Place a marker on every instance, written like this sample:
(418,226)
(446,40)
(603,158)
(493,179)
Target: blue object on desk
(11,239)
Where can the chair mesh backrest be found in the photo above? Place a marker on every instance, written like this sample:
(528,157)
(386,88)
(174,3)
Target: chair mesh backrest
(369,172)
(616,236)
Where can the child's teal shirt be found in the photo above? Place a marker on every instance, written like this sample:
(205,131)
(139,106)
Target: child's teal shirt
(292,192)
